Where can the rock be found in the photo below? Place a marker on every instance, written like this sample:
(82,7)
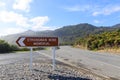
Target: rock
(41,71)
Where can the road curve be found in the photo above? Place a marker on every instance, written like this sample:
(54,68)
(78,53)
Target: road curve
(15,64)
(101,63)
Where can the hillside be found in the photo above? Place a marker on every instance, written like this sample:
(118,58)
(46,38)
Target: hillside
(12,38)
(104,41)
(116,26)
(66,34)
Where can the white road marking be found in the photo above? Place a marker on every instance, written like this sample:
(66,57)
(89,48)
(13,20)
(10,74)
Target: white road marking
(66,62)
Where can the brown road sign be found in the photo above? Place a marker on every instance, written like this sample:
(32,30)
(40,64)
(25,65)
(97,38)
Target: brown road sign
(37,41)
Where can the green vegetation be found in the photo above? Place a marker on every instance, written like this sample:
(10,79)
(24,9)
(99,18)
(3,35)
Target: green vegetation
(98,38)
(5,47)
(105,40)
(67,34)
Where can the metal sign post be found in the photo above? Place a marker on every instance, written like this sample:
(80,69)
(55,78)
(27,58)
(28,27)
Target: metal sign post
(31,58)
(53,54)
(38,41)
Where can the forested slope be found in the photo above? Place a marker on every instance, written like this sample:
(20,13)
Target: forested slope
(109,40)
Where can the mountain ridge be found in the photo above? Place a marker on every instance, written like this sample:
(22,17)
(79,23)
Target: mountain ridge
(66,34)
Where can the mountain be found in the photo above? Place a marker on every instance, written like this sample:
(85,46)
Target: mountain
(12,38)
(78,29)
(116,26)
(66,34)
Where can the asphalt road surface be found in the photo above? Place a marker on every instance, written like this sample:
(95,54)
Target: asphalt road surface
(104,64)
(15,66)
(18,57)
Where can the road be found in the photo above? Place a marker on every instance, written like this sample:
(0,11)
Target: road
(18,57)
(100,63)
(104,64)
(16,66)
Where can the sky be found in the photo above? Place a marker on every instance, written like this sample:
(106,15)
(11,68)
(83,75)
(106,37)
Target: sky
(21,15)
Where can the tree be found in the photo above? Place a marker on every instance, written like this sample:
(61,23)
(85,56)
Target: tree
(4,47)
(101,41)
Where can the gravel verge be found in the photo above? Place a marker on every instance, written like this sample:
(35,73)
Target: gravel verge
(42,70)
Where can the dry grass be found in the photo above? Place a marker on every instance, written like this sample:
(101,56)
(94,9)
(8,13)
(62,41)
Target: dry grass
(108,50)
(114,51)
(81,47)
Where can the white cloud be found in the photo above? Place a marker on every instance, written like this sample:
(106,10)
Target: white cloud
(107,10)
(18,22)
(38,22)
(22,23)
(23,5)
(2,4)
(96,13)
(10,30)
(95,9)
(97,21)
(34,23)
(12,17)
(77,8)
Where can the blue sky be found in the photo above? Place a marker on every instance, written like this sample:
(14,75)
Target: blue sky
(38,15)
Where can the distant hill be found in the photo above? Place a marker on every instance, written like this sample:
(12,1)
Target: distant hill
(12,38)
(66,34)
(116,26)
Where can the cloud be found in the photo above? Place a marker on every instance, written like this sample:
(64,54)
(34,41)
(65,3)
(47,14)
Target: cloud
(2,4)
(38,22)
(23,5)
(20,21)
(77,8)
(97,21)
(12,17)
(11,30)
(107,10)
(95,10)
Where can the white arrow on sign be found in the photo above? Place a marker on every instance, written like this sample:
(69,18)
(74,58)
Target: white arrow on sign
(21,43)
